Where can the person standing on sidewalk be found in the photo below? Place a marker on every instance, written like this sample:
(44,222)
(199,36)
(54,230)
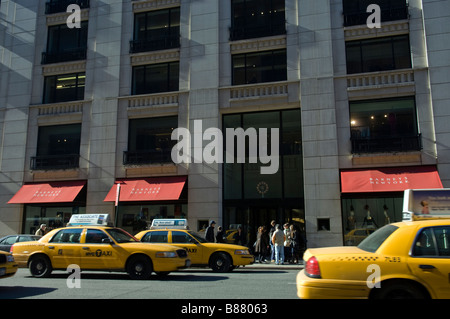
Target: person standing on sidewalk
(272,249)
(278,239)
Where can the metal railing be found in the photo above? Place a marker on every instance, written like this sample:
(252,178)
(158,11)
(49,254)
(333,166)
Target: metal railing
(390,14)
(51,162)
(65,56)
(61,5)
(147,157)
(386,144)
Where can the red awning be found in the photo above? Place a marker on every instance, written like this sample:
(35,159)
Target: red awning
(51,192)
(390,179)
(147,189)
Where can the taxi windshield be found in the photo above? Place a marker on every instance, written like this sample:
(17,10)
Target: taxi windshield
(374,241)
(198,237)
(121,236)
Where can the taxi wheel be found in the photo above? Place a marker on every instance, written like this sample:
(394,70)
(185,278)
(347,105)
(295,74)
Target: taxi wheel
(139,267)
(400,290)
(220,262)
(40,266)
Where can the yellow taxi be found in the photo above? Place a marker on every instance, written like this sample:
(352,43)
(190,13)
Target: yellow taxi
(400,260)
(94,247)
(8,267)
(219,257)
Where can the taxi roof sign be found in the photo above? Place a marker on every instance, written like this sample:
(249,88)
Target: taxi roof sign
(178,223)
(422,204)
(89,220)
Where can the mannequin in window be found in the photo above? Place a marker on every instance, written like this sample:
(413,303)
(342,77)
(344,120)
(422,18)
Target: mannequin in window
(368,220)
(387,220)
(351,221)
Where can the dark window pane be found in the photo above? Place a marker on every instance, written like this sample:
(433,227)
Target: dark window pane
(155,78)
(260,67)
(388,53)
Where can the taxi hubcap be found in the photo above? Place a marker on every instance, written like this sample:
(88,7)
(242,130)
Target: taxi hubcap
(139,267)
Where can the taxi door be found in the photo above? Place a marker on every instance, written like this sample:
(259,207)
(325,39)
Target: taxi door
(97,254)
(193,247)
(64,248)
(430,259)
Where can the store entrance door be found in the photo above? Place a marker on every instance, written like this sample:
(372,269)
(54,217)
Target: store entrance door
(250,217)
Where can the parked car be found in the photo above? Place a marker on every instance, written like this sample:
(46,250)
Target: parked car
(7,241)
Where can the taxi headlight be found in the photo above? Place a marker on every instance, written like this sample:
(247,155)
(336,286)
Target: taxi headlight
(241,252)
(10,258)
(166,254)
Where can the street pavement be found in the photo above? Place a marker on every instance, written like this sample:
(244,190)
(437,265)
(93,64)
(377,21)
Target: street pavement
(272,265)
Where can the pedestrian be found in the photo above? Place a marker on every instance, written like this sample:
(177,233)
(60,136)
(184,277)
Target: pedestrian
(42,230)
(209,236)
(294,245)
(278,239)
(262,244)
(220,236)
(287,242)
(239,237)
(272,249)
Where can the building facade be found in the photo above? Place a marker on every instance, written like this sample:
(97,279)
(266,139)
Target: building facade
(90,99)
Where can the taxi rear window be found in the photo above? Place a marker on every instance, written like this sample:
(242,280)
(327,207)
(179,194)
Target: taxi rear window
(374,241)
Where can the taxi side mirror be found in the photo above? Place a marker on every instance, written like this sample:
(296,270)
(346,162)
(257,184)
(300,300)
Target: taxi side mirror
(107,241)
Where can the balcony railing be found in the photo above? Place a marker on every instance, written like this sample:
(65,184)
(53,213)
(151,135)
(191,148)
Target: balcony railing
(160,156)
(65,56)
(386,144)
(250,32)
(162,42)
(389,14)
(61,5)
(51,162)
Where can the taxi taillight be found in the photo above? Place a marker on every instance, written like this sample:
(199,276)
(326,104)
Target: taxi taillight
(312,268)
(11,249)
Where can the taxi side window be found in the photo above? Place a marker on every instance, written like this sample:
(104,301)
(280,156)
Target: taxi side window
(433,242)
(156,237)
(70,236)
(179,237)
(95,236)
(443,241)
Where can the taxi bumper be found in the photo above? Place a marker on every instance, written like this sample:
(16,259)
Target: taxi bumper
(170,264)
(243,260)
(315,288)
(8,270)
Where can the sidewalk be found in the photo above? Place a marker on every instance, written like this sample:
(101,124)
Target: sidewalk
(272,265)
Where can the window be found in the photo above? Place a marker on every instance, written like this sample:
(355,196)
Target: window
(64,88)
(58,146)
(181,238)
(257,18)
(156,237)
(433,242)
(244,180)
(156,30)
(65,44)
(259,67)
(67,236)
(149,140)
(355,11)
(95,236)
(155,78)
(380,54)
(384,125)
